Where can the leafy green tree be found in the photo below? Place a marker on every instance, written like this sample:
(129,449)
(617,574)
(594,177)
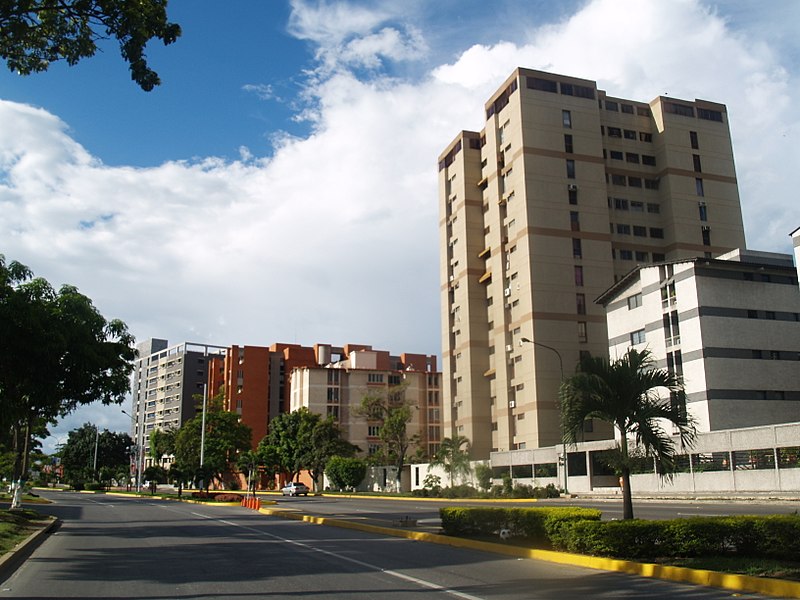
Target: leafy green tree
(57,352)
(77,455)
(625,393)
(392,412)
(36,33)
(346,472)
(225,438)
(326,442)
(483,474)
(162,443)
(249,463)
(290,440)
(453,455)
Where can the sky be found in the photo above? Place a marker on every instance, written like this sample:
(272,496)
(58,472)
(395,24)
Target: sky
(281,184)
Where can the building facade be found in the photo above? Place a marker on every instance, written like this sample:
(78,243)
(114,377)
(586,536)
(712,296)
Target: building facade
(166,380)
(337,384)
(562,193)
(254,383)
(730,327)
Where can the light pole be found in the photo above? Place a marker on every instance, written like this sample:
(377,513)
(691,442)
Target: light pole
(96,444)
(139,449)
(561,370)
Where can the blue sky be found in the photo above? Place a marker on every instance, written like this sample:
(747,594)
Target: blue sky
(280,185)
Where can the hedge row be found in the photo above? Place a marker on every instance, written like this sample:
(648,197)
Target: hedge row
(580,530)
(772,536)
(541,525)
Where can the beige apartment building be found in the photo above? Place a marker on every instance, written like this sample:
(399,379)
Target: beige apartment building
(730,327)
(563,192)
(336,388)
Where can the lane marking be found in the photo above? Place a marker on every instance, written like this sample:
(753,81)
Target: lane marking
(398,575)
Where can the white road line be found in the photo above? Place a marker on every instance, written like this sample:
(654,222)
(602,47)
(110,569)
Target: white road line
(396,574)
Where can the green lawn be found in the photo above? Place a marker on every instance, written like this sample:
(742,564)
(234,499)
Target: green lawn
(16,525)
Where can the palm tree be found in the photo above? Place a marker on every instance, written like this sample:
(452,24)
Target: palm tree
(625,393)
(453,455)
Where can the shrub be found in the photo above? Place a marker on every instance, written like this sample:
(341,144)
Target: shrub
(228,497)
(537,524)
(94,486)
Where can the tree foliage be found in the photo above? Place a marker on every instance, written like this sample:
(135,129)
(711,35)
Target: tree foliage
(346,473)
(162,442)
(453,456)
(392,413)
(57,352)
(289,440)
(625,393)
(36,33)
(225,437)
(77,454)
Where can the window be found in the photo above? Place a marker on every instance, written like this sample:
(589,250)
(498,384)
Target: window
(645,137)
(693,140)
(626,255)
(703,210)
(653,208)
(637,337)
(627,108)
(640,230)
(615,155)
(583,336)
(566,119)
(635,182)
(629,134)
(580,91)
(620,204)
(698,186)
(580,303)
(678,109)
(637,206)
(619,179)
(573,220)
(656,232)
(648,160)
(659,257)
(632,157)
(709,115)
(634,301)
(568,143)
(696,163)
(570,169)
(614,132)
(706,231)
(641,256)
(543,85)
(651,184)
(612,106)
(577,251)
(578,276)
(623,229)
(375,377)
(572,193)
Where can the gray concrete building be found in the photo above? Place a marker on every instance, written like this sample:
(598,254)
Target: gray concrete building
(729,326)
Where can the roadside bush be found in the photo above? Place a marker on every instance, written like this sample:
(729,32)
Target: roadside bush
(540,525)
(773,536)
(217,496)
(94,486)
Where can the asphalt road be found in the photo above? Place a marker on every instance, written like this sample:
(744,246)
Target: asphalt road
(113,547)
(386,512)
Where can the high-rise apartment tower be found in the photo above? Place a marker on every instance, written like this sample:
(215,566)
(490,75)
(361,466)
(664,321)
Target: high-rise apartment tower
(562,193)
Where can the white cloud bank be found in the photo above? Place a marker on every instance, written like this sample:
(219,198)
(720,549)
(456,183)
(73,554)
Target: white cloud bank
(334,238)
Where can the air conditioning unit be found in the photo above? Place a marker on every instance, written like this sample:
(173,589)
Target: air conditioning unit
(452,277)
(509,347)
(512,404)
(572,187)
(507,291)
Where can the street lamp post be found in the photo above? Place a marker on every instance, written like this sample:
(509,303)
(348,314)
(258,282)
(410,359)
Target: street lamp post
(561,369)
(139,450)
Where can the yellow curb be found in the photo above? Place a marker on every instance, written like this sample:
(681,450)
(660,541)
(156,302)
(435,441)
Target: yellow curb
(425,499)
(728,581)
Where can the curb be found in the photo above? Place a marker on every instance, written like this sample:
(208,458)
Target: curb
(14,558)
(728,581)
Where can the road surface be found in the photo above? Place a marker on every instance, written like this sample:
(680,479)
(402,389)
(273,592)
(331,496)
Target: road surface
(114,547)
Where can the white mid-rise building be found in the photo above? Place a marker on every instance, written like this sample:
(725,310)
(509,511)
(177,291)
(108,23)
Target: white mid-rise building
(729,326)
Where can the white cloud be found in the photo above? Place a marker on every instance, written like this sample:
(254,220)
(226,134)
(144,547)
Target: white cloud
(335,237)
